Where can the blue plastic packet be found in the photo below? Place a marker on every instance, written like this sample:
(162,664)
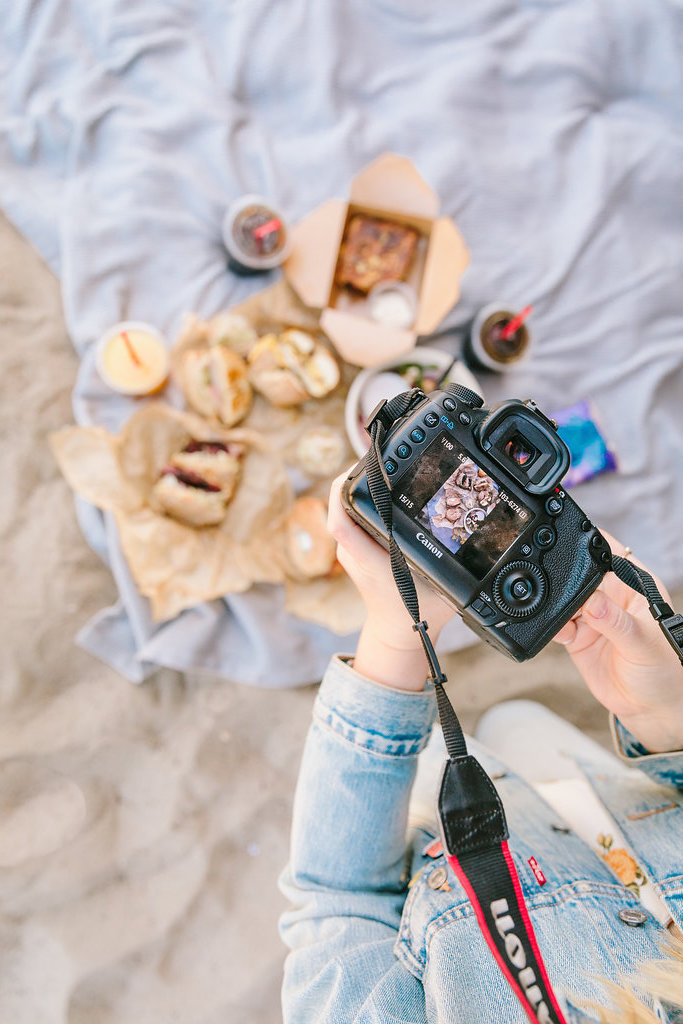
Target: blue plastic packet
(588,448)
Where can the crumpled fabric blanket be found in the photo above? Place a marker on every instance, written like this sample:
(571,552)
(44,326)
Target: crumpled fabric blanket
(551,129)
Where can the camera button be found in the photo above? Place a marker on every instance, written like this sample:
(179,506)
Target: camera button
(586,525)
(522,589)
(390,467)
(465,418)
(482,608)
(403,450)
(545,536)
(525,549)
(431,419)
(449,404)
(519,589)
(554,505)
(417,435)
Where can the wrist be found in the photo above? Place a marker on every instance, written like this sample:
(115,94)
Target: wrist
(658,733)
(391,657)
(397,632)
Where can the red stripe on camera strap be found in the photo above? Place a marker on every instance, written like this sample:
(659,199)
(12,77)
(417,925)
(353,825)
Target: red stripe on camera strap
(474,834)
(515,951)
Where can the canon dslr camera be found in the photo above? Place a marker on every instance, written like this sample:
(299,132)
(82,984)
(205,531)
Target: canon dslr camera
(480,513)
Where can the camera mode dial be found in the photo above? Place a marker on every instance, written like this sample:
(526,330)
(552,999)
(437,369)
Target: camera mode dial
(465,395)
(519,589)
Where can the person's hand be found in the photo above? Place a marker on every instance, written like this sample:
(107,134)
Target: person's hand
(389,649)
(626,661)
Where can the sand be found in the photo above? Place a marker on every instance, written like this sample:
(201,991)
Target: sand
(142,829)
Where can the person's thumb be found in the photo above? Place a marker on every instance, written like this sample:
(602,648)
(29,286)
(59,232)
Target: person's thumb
(615,624)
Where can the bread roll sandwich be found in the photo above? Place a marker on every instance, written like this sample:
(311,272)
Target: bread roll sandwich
(197,483)
(216,384)
(291,367)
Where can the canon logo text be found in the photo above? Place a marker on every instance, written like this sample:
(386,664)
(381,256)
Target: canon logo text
(514,950)
(428,544)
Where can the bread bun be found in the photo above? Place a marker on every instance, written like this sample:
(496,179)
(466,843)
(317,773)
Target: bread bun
(232,330)
(321,451)
(216,384)
(292,367)
(311,549)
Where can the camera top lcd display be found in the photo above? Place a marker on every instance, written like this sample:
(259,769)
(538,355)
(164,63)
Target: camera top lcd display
(461,506)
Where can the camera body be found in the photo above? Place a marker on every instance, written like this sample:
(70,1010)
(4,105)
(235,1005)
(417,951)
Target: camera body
(480,513)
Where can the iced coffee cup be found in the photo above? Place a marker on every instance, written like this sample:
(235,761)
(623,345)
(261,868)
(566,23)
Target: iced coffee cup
(255,235)
(490,344)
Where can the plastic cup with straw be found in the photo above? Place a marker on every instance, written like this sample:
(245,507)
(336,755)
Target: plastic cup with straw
(499,337)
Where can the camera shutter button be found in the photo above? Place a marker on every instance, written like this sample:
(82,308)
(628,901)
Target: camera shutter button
(465,395)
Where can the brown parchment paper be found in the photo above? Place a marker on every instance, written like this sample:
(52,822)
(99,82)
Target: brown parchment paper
(174,565)
(332,602)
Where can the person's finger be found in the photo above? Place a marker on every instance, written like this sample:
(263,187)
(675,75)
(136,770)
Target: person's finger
(349,537)
(615,624)
(340,525)
(567,634)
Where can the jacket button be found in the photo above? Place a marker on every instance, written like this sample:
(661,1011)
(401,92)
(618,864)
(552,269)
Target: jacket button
(632,916)
(437,877)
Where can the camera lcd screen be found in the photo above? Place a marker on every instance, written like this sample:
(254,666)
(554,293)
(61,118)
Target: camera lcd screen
(461,506)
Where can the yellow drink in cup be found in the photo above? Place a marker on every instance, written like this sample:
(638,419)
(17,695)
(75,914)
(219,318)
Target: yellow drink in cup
(132,358)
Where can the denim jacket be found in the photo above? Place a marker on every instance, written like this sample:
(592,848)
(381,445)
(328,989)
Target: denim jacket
(366,947)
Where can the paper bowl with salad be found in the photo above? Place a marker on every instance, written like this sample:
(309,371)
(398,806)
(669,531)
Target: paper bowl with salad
(422,368)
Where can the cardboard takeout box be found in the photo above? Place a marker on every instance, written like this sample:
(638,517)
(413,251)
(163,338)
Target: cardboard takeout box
(389,188)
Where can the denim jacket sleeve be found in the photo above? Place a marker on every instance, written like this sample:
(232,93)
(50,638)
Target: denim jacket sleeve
(345,880)
(664,768)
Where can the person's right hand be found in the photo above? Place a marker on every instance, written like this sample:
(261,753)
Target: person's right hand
(389,650)
(626,661)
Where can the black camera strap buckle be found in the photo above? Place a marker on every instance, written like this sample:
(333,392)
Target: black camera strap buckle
(436,674)
(387,411)
(378,413)
(672,628)
(669,621)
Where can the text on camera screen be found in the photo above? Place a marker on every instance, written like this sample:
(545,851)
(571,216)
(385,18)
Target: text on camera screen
(461,506)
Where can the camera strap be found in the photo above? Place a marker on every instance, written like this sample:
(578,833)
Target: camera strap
(473,825)
(474,830)
(669,621)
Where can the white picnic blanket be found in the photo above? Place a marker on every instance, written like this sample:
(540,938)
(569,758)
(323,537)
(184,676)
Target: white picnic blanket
(552,130)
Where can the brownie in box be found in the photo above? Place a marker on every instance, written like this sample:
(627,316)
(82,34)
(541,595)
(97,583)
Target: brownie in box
(390,190)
